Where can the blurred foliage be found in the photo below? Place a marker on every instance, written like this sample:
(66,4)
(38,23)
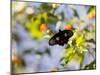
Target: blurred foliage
(92,12)
(38,25)
(77,46)
(90,66)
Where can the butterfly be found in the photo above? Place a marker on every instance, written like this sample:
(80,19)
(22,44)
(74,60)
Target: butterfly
(61,37)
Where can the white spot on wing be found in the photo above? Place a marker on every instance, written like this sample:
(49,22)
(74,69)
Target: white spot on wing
(65,34)
(57,38)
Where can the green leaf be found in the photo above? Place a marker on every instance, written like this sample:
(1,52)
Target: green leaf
(68,53)
(80,40)
(33,27)
(91,8)
(75,13)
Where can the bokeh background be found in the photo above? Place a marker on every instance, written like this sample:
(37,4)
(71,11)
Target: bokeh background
(34,23)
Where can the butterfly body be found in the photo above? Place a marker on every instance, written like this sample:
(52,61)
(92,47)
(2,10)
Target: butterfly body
(61,37)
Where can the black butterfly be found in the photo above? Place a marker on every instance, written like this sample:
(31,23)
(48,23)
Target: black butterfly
(61,37)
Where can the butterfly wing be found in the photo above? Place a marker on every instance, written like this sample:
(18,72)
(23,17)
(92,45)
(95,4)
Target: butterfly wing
(52,42)
(61,37)
(55,39)
(68,33)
